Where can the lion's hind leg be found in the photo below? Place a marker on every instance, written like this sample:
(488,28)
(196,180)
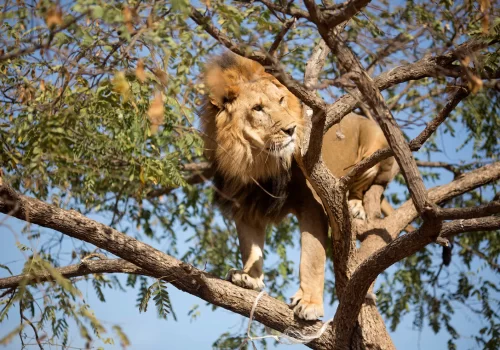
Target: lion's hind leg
(380,174)
(358,188)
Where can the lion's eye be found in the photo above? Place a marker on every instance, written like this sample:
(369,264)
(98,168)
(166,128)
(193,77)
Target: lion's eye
(258,108)
(282,100)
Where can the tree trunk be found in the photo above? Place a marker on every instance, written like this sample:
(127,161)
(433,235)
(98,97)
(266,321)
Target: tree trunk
(370,332)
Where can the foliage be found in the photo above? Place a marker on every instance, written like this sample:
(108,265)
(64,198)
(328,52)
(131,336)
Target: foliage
(99,110)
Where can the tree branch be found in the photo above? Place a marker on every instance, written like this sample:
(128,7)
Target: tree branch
(427,67)
(331,192)
(346,317)
(393,134)
(470,213)
(270,312)
(285,10)
(491,223)
(350,9)
(86,267)
(344,322)
(480,254)
(314,11)
(263,58)
(414,145)
(206,24)
(27,50)
(406,213)
(443,165)
(458,96)
(281,35)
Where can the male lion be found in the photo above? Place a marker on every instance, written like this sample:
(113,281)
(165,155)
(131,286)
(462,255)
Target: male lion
(252,127)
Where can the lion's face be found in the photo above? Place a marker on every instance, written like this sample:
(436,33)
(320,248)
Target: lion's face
(253,123)
(268,118)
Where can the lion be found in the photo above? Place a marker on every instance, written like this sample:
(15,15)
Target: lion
(252,129)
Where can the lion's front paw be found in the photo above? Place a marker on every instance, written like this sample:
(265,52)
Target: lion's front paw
(306,308)
(243,279)
(357,209)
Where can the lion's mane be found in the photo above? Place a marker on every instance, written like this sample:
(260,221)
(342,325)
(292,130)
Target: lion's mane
(255,186)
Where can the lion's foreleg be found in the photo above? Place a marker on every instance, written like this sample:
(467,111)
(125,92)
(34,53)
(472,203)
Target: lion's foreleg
(251,239)
(308,301)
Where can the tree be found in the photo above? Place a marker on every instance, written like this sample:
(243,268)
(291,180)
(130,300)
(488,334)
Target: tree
(99,116)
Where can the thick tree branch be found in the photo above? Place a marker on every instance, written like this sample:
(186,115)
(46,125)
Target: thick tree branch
(350,9)
(270,312)
(343,323)
(314,11)
(384,117)
(491,223)
(331,192)
(313,131)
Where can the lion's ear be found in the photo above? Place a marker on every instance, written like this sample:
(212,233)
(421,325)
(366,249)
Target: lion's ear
(220,98)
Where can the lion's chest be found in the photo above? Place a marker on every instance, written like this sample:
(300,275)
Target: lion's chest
(266,200)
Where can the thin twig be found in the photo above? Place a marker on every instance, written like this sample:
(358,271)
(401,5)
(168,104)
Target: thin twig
(480,254)
(281,35)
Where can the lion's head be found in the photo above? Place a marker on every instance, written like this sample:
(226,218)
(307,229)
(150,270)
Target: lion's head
(252,123)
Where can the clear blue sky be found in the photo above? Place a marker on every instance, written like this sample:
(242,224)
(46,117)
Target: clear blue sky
(146,331)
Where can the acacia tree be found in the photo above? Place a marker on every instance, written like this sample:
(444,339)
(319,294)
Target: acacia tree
(99,102)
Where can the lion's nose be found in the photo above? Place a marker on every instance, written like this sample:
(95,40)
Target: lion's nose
(289,131)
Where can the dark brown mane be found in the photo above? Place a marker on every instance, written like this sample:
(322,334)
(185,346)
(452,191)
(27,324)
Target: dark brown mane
(264,201)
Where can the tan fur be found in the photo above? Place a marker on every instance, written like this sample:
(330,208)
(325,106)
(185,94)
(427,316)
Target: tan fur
(253,126)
